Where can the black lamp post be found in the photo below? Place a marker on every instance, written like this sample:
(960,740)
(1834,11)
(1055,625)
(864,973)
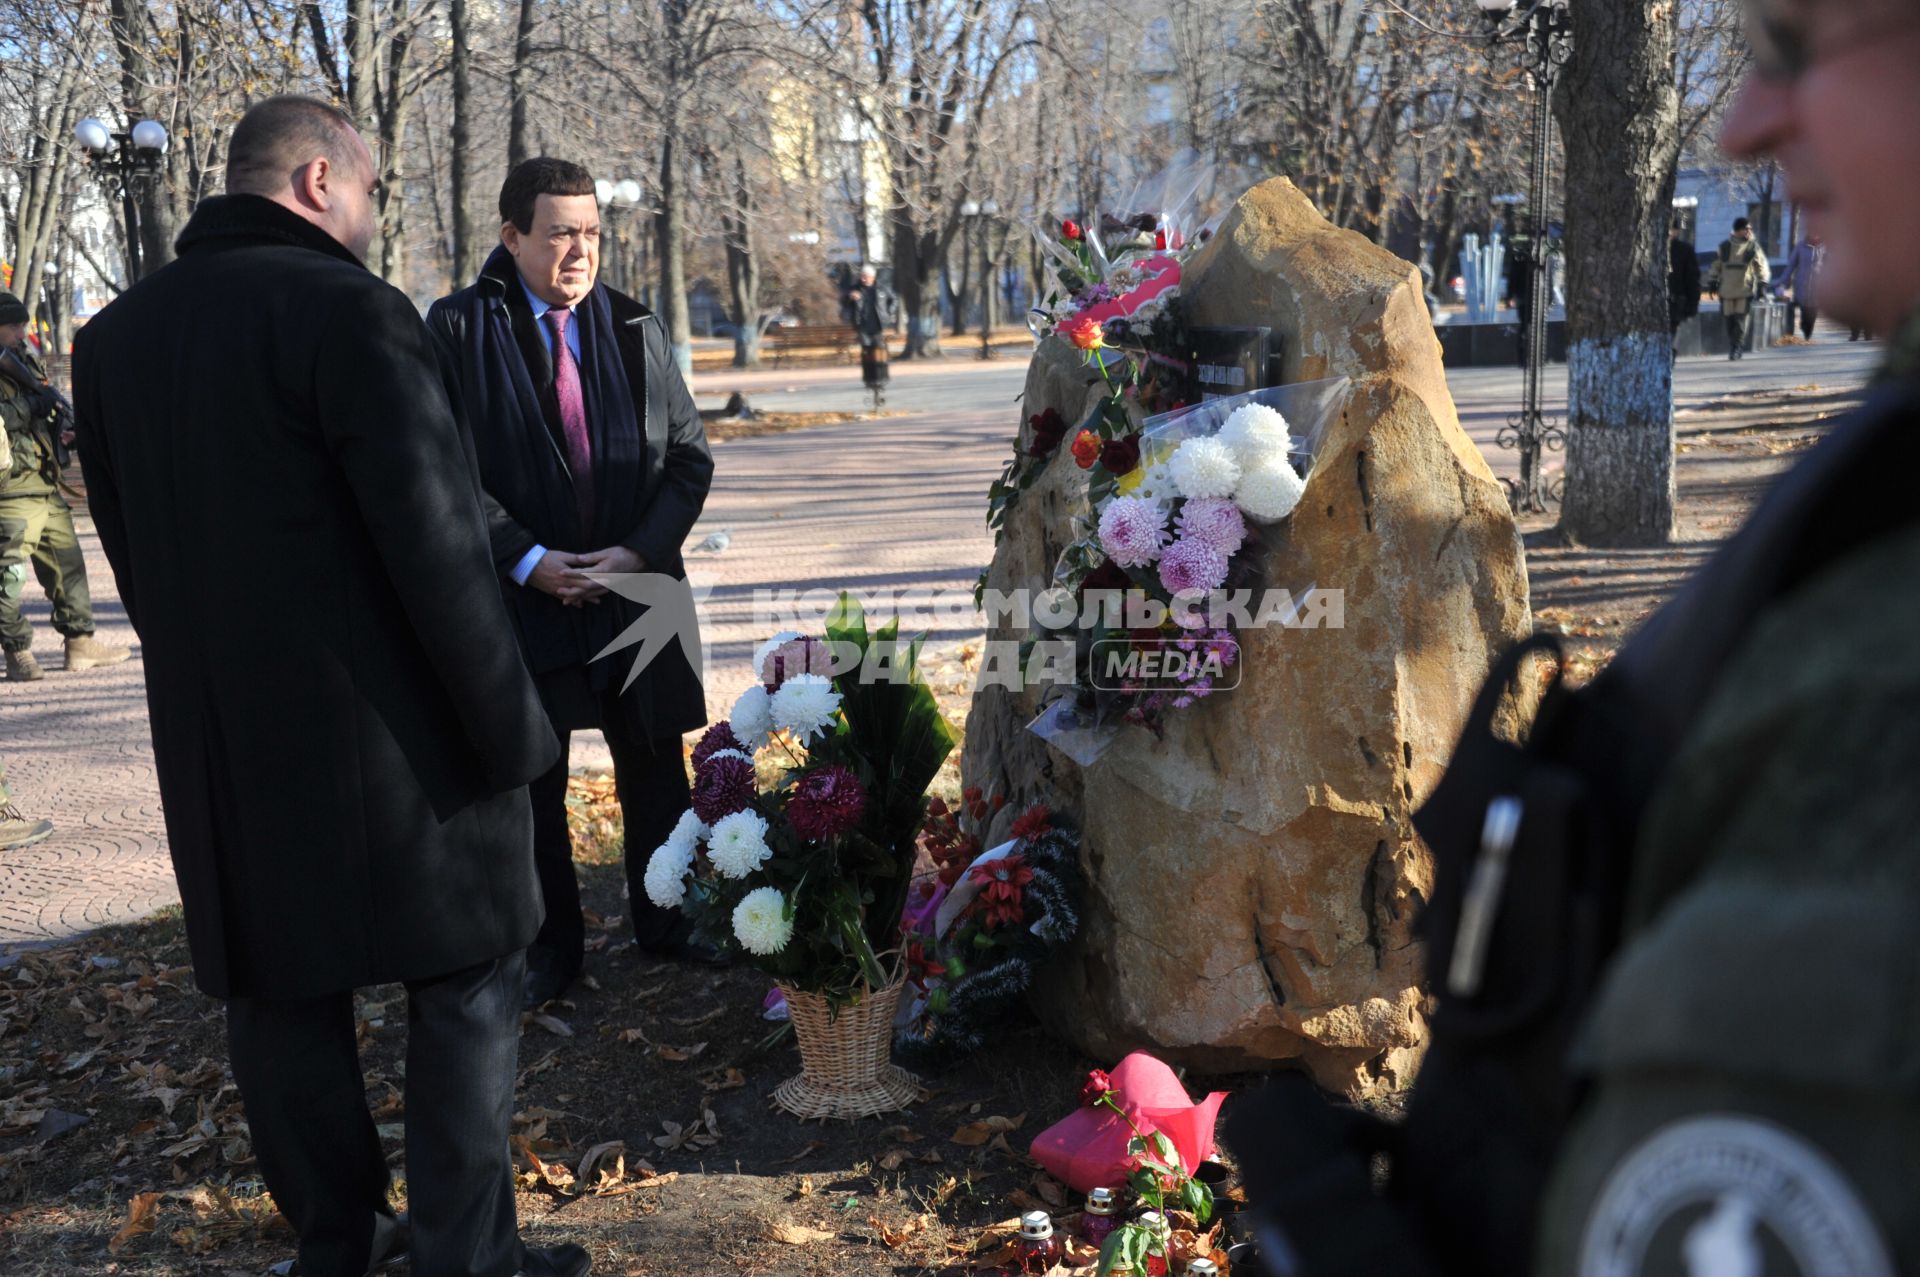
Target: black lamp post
(979,216)
(1540,34)
(619,198)
(125,164)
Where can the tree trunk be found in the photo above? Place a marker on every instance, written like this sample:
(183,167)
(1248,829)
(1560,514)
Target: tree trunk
(396,110)
(743,270)
(915,281)
(1620,116)
(134,39)
(466,258)
(520,81)
(670,227)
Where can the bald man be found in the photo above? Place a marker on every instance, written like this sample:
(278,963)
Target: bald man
(342,724)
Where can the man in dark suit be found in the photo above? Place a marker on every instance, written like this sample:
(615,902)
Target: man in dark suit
(345,799)
(593,461)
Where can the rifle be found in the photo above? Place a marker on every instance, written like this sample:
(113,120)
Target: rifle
(15,369)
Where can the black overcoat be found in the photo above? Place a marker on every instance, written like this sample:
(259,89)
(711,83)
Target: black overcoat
(343,725)
(652,470)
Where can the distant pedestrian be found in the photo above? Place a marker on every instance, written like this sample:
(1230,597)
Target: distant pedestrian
(1803,277)
(36,523)
(872,310)
(1683,277)
(1740,273)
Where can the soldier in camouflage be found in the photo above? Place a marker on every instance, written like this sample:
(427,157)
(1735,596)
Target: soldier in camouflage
(36,524)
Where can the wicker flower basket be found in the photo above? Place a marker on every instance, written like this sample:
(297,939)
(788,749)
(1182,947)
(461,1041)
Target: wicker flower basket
(845,1065)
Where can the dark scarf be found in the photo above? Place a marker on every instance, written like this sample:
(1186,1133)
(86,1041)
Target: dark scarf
(517,373)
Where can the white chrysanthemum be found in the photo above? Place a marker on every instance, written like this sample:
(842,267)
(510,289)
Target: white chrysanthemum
(1204,467)
(768,648)
(666,878)
(738,845)
(1156,484)
(805,705)
(1269,491)
(691,829)
(1257,434)
(760,922)
(752,717)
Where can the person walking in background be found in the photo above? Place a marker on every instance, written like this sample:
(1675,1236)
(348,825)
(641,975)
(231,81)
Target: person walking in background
(872,309)
(1802,279)
(16,828)
(1683,277)
(36,523)
(1740,273)
(263,423)
(593,460)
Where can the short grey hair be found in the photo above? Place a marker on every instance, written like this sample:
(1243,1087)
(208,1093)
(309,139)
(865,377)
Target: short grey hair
(280,134)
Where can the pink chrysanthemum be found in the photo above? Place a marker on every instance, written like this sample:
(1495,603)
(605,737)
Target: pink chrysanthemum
(721,787)
(826,804)
(1192,564)
(796,656)
(1214,520)
(1133,530)
(716,738)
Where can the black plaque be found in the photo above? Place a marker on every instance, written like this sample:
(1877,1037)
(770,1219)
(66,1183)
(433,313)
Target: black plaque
(1227,361)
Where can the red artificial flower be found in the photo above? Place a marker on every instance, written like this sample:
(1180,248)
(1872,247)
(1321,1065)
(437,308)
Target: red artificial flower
(920,967)
(1098,1084)
(1001,884)
(1070,229)
(1121,456)
(1084,332)
(1086,449)
(1036,820)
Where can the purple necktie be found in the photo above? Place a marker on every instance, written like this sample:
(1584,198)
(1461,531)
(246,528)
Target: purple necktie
(573,415)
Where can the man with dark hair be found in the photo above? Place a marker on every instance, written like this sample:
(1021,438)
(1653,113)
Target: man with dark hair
(594,462)
(1739,274)
(1683,277)
(346,803)
(280,134)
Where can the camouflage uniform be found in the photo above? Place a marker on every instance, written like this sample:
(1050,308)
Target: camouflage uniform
(36,525)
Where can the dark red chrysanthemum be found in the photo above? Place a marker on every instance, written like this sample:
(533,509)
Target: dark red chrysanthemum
(721,787)
(826,804)
(716,738)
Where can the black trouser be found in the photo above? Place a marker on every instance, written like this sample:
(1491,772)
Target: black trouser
(298,1069)
(650,779)
(1807,317)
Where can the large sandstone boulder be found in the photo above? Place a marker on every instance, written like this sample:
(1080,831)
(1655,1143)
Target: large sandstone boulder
(1253,876)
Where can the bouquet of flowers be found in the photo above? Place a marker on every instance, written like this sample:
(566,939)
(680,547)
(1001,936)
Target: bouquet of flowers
(799,848)
(979,925)
(1178,512)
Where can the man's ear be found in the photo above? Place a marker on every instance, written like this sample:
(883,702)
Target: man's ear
(312,182)
(510,238)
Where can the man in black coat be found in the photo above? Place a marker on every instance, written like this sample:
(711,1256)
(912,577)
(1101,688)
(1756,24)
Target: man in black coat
(263,425)
(1683,277)
(593,461)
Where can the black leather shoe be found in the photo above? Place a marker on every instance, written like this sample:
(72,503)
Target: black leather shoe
(392,1255)
(556,1261)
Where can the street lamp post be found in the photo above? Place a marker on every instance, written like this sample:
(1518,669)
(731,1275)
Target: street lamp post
(979,218)
(619,198)
(125,164)
(1540,34)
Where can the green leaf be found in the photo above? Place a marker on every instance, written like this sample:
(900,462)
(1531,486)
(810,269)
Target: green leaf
(1167,1153)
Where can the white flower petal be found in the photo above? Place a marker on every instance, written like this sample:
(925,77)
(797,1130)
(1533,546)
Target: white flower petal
(752,717)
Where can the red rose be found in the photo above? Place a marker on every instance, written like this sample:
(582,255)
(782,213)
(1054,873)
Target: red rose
(1098,1084)
(1121,456)
(1086,449)
(1084,331)
(1049,428)
(1070,229)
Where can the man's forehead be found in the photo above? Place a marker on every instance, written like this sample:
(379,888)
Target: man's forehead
(567,210)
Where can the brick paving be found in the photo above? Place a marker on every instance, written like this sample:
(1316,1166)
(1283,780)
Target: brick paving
(891,503)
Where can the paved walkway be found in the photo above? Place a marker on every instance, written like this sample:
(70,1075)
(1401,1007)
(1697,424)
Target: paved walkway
(888,503)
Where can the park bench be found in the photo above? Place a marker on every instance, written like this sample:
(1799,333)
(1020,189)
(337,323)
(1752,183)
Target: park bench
(839,338)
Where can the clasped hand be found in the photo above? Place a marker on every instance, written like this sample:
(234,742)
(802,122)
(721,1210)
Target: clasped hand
(569,577)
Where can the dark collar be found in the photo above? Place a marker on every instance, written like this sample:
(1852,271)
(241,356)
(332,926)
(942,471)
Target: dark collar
(498,273)
(227,221)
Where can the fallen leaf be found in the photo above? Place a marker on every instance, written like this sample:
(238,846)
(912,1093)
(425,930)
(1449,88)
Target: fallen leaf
(143,1211)
(805,1187)
(552,1024)
(679,1054)
(974,1134)
(895,1238)
(791,1234)
(813,1146)
(595,1155)
(729,1080)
